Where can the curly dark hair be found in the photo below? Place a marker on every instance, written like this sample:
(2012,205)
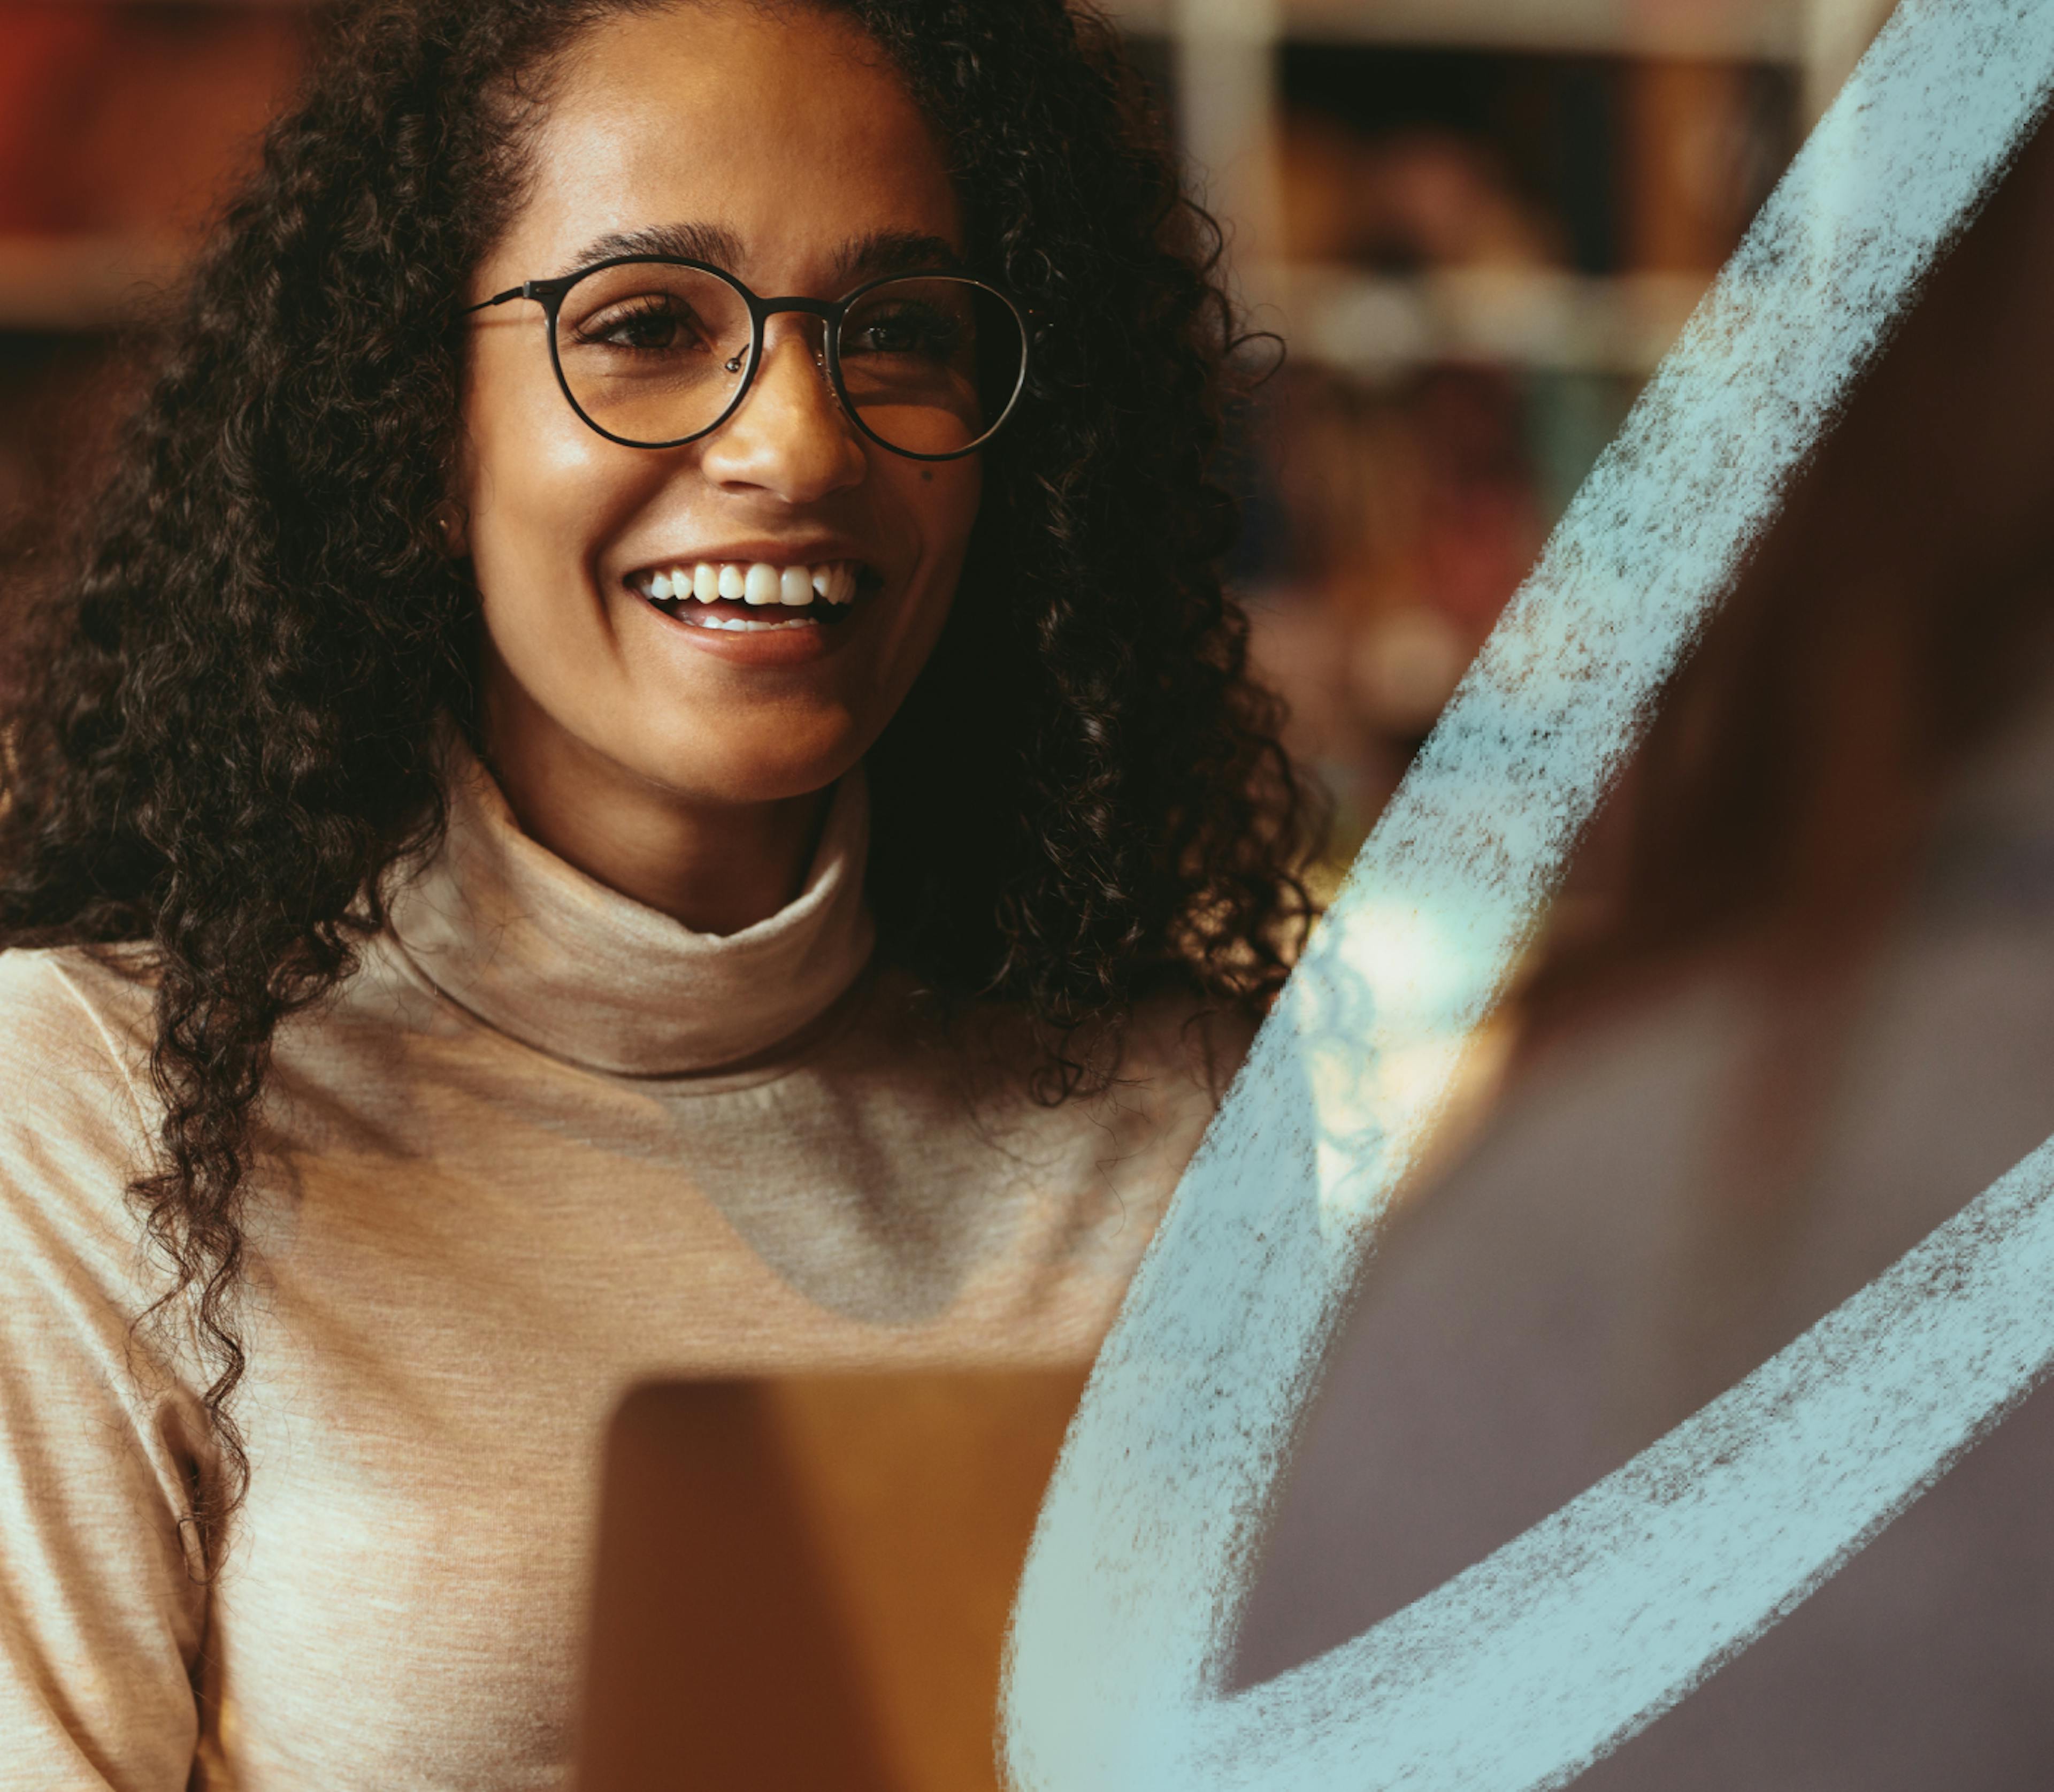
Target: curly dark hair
(221,737)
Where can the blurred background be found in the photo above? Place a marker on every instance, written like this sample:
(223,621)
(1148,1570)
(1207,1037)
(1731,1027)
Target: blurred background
(1797,1003)
(1479,225)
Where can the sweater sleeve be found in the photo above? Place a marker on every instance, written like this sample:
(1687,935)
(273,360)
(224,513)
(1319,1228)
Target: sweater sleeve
(101,1609)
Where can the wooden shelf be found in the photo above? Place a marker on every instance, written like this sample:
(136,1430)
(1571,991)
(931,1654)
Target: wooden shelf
(1748,30)
(1538,319)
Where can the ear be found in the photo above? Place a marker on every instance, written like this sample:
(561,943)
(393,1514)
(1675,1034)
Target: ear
(451,524)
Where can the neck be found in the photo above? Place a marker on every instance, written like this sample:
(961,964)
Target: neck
(717,867)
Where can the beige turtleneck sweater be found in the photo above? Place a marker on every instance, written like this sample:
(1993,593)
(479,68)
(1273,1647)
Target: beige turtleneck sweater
(547,1142)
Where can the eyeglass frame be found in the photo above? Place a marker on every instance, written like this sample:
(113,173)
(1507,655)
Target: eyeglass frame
(550,294)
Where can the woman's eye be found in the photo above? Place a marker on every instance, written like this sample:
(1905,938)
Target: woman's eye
(653,324)
(909,332)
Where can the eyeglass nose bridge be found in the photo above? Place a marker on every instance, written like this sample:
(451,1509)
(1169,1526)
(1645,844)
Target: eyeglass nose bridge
(762,310)
(829,311)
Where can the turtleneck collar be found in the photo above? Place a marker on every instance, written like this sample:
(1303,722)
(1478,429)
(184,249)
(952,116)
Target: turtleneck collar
(539,950)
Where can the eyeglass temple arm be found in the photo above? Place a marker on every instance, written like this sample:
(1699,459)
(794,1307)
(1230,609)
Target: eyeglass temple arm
(525,289)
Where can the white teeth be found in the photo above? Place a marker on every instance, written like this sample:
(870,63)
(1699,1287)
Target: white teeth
(752,624)
(758,583)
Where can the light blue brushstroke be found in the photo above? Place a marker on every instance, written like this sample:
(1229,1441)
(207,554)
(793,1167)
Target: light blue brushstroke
(1521,1671)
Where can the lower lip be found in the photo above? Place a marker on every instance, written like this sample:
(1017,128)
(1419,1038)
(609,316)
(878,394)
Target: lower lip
(790,646)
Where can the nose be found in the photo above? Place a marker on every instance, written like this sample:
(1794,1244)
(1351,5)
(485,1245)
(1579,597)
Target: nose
(790,437)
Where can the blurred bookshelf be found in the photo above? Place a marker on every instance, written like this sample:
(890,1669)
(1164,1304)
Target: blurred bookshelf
(1655,88)
(1477,226)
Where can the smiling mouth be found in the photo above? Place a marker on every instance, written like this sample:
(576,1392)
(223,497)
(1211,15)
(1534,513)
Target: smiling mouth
(753,596)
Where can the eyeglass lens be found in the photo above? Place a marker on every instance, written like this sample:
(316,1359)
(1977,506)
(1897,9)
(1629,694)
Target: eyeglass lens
(654,353)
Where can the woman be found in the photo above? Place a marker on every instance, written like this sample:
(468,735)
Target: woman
(637,776)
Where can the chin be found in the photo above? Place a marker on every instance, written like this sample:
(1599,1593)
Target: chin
(743,779)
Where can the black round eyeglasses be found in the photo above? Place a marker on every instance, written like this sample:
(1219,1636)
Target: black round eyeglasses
(654,351)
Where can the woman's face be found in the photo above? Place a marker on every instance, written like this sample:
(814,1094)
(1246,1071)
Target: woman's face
(785,149)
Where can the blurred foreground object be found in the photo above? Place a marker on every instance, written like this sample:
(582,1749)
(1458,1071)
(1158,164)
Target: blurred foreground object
(804,1582)
(1799,1009)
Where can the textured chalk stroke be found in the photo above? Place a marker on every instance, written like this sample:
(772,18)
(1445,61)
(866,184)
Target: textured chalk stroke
(1524,1669)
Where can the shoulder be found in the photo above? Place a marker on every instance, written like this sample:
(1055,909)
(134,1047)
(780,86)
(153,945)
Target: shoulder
(1178,1051)
(75,1263)
(1187,1045)
(75,1030)
(73,1012)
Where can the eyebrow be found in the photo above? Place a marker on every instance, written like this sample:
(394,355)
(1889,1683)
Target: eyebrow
(876,252)
(691,242)
(894,252)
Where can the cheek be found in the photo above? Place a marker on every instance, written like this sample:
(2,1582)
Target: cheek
(944,495)
(541,493)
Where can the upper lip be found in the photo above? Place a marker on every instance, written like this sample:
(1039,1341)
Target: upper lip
(817,550)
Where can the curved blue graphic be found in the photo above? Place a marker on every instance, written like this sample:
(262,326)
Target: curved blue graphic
(1520,1672)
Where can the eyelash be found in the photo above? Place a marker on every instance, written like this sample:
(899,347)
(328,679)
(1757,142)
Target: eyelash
(594,332)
